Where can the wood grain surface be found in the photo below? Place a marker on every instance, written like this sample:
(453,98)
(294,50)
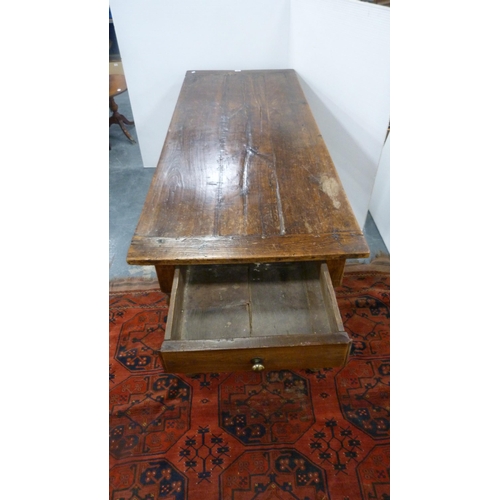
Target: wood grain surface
(244,176)
(276,353)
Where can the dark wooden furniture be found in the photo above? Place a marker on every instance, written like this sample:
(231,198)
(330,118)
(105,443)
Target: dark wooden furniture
(118,85)
(249,228)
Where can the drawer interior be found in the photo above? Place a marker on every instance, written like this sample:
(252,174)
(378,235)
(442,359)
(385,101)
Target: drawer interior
(255,300)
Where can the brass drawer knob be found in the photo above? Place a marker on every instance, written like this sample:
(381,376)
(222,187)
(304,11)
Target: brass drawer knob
(257,365)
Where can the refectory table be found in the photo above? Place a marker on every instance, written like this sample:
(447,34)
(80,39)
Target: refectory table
(248,227)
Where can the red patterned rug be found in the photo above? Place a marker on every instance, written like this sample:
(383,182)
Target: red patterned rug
(290,434)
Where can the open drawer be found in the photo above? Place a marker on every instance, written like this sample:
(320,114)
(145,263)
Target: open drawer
(273,316)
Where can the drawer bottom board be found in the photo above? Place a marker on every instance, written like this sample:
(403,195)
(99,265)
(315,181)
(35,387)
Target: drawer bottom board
(251,300)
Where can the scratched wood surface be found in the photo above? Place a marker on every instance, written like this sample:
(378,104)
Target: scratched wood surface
(244,176)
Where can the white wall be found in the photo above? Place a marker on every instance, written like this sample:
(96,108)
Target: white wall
(340,49)
(160,40)
(380,202)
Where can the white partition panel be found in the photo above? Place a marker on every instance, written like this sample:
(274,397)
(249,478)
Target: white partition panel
(380,203)
(160,40)
(340,48)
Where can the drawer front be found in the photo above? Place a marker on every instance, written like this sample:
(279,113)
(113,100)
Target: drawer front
(257,317)
(269,353)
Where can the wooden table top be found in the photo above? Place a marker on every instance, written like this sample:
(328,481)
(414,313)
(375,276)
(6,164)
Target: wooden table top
(244,176)
(117,84)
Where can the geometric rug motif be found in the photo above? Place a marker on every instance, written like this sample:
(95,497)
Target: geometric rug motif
(139,339)
(265,408)
(203,452)
(363,393)
(373,474)
(277,474)
(147,480)
(286,434)
(368,333)
(148,414)
(364,303)
(335,446)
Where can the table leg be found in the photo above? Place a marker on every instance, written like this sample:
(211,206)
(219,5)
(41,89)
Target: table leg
(165,277)
(336,269)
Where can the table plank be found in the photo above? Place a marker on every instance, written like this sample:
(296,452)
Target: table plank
(244,176)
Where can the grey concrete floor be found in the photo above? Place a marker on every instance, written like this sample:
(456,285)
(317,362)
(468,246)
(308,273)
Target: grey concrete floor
(128,185)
